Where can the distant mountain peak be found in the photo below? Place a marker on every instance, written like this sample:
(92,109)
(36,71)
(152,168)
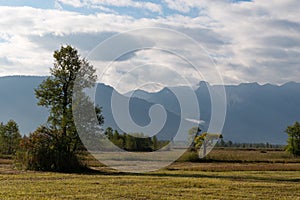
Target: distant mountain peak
(203,84)
(290,83)
(255,84)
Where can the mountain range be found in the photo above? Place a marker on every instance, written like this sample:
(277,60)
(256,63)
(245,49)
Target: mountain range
(255,113)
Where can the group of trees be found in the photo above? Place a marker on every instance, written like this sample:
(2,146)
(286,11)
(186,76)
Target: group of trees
(134,142)
(10,138)
(229,143)
(56,146)
(205,140)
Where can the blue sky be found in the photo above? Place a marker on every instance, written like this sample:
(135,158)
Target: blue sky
(248,41)
(32,3)
(124,10)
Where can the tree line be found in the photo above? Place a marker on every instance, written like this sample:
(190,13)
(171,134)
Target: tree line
(135,141)
(229,143)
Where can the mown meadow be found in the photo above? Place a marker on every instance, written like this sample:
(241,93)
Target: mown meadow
(226,174)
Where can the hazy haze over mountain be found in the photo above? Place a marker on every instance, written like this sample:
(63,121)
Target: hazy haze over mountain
(255,113)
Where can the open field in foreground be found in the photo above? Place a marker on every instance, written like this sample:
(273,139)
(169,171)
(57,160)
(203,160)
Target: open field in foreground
(165,184)
(227,174)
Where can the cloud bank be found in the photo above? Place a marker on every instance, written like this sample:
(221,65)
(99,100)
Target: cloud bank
(249,41)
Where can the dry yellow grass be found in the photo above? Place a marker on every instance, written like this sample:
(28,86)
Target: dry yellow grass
(258,177)
(179,184)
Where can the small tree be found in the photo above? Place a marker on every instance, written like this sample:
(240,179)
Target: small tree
(293,143)
(192,134)
(109,133)
(205,142)
(155,143)
(201,143)
(130,143)
(9,137)
(2,137)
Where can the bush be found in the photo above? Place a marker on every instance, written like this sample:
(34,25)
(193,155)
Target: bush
(189,156)
(41,152)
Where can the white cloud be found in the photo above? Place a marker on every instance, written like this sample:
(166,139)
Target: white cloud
(74,3)
(257,32)
(185,6)
(249,41)
(117,3)
(196,121)
(30,58)
(151,67)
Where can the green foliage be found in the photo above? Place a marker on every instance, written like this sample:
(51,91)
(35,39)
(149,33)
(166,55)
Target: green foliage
(55,146)
(109,133)
(135,141)
(222,143)
(293,143)
(9,138)
(41,152)
(155,143)
(130,143)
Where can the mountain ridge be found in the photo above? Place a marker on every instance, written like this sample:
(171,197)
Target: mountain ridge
(255,113)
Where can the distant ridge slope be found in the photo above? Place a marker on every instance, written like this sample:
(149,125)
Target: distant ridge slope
(255,113)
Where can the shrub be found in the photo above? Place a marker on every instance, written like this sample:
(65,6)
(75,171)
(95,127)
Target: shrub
(189,156)
(41,152)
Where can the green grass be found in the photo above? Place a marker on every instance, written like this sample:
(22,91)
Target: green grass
(179,184)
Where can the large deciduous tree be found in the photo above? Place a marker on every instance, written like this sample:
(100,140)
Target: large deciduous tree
(59,142)
(293,143)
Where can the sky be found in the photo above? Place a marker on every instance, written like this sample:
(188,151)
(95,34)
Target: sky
(147,44)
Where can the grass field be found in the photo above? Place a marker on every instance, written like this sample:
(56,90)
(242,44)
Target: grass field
(179,184)
(273,176)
